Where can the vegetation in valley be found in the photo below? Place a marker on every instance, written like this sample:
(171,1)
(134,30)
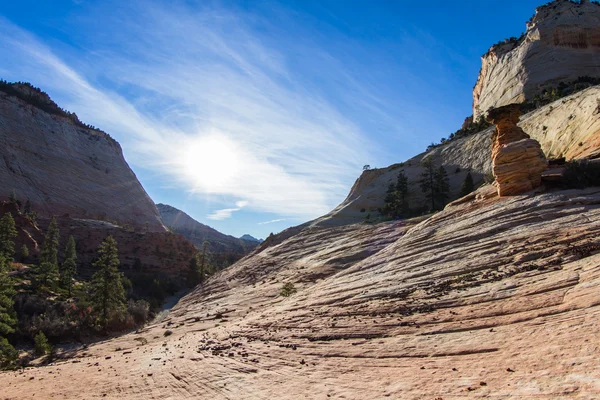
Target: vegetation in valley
(49,302)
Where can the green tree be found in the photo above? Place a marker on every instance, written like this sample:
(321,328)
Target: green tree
(435,184)
(427,181)
(69,266)
(42,346)
(442,187)
(7,234)
(402,208)
(106,289)
(27,209)
(205,267)
(24,253)
(12,198)
(194,271)
(7,315)
(47,270)
(467,186)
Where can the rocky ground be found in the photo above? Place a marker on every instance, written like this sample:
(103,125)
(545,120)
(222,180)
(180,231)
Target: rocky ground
(497,297)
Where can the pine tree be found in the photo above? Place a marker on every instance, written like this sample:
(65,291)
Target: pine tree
(7,234)
(467,186)
(441,187)
(402,208)
(204,261)
(390,199)
(427,181)
(69,266)
(7,315)
(194,271)
(106,289)
(27,209)
(24,252)
(47,270)
(12,197)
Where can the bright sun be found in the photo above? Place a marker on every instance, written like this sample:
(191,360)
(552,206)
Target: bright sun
(211,161)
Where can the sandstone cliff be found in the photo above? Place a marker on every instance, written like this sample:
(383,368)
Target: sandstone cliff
(78,173)
(568,127)
(64,167)
(561,44)
(218,243)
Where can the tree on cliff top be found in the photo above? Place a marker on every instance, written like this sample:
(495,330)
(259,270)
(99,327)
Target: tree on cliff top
(106,289)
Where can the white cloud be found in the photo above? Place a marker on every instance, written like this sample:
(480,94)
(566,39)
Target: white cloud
(197,75)
(227,212)
(273,221)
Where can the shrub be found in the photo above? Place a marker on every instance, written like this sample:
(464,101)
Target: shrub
(42,346)
(168,333)
(287,290)
(581,174)
(139,311)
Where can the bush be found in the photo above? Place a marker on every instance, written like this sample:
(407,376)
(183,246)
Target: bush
(42,346)
(581,174)
(8,354)
(168,333)
(139,311)
(287,290)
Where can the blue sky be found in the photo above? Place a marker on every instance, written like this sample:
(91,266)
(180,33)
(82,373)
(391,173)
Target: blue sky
(253,116)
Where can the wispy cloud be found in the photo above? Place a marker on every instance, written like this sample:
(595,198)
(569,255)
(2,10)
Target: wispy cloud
(227,212)
(176,81)
(273,221)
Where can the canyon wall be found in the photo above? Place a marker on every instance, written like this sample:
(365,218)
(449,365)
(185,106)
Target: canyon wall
(568,127)
(67,168)
(561,44)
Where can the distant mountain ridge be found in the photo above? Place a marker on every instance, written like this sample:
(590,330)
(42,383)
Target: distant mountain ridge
(228,247)
(251,238)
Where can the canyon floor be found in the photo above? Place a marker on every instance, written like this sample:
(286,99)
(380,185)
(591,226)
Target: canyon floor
(493,297)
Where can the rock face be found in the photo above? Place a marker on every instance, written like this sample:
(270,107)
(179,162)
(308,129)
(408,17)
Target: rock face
(561,44)
(488,299)
(568,127)
(517,160)
(64,167)
(78,173)
(230,247)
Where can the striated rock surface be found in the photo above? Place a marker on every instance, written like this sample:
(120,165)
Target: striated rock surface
(64,167)
(226,245)
(494,298)
(561,44)
(517,160)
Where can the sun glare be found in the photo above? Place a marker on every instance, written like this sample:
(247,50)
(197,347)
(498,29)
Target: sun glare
(211,162)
